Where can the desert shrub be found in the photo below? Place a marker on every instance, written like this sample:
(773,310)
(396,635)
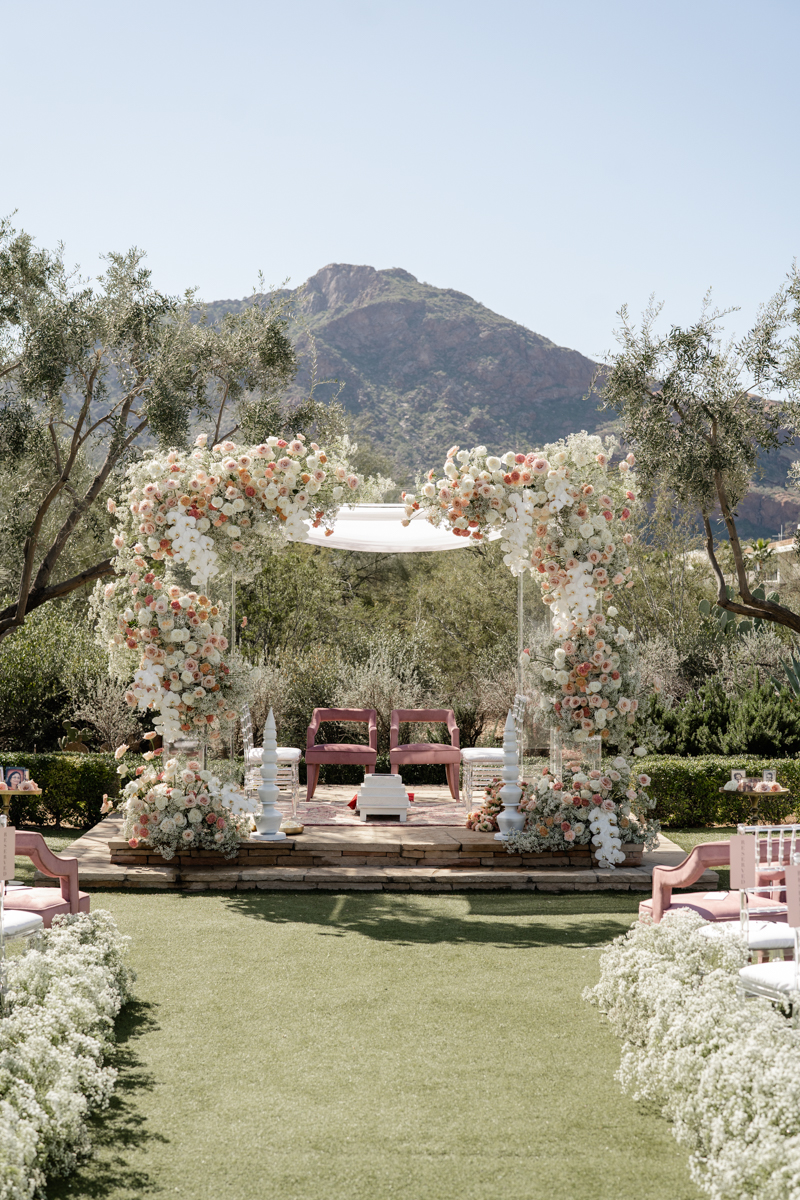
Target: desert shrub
(37,664)
(761,720)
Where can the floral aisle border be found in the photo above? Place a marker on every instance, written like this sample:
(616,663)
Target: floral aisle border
(62,997)
(563,512)
(725,1071)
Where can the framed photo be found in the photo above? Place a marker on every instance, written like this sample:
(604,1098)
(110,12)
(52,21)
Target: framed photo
(14,777)
(738,776)
(769,776)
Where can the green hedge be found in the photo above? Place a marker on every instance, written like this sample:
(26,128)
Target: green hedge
(686,790)
(72,787)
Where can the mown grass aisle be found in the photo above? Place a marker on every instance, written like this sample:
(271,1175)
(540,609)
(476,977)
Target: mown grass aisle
(362,1046)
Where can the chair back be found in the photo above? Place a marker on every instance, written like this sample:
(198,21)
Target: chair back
(421,716)
(367,716)
(761,856)
(418,716)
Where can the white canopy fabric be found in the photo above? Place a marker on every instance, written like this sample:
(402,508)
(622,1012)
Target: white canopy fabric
(378,529)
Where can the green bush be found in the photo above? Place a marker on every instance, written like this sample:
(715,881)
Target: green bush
(686,790)
(37,663)
(72,787)
(760,721)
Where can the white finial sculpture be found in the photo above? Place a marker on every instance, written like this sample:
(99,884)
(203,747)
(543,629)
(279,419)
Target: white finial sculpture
(509,819)
(268,821)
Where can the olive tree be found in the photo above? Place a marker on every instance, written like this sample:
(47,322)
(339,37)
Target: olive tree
(698,411)
(89,372)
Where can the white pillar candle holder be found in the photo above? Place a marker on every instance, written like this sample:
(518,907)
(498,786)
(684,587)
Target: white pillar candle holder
(510,793)
(268,821)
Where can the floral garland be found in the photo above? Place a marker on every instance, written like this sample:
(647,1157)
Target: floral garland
(606,808)
(589,682)
(61,998)
(204,511)
(561,512)
(174,808)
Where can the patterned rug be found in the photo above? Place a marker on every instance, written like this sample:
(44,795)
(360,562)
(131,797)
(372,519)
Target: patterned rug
(421,812)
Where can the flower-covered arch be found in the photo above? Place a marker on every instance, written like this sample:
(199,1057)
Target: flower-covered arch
(183,519)
(563,513)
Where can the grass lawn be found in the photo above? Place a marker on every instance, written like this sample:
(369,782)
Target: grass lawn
(367,1046)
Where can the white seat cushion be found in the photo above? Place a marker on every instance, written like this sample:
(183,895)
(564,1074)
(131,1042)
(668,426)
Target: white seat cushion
(763,935)
(286,754)
(779,976)
(482,754)
(19,924)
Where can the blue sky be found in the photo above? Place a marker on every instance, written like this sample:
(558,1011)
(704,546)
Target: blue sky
(551,160)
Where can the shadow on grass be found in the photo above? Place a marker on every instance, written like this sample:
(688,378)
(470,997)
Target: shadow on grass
(119,1131)
(386,917)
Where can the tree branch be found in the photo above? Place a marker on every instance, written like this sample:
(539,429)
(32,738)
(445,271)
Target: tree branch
(221,411)
(8,616)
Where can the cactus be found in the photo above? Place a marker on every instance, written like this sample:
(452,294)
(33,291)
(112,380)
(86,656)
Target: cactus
(72,735)
(727,623)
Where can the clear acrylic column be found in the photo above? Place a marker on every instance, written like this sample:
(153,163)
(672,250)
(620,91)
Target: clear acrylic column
(509,819)
(268,821)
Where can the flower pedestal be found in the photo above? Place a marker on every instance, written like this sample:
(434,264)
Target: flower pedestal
(268,820)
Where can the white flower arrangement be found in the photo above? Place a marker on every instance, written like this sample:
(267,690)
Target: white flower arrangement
(606,808)
(58,1022)
(724,1070)
(174,808)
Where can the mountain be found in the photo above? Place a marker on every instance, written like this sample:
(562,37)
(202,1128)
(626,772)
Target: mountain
(422,368)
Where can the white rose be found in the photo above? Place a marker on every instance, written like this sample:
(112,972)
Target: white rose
(493,463)
(548,674)
(586,530)
(562,677)
(559,658)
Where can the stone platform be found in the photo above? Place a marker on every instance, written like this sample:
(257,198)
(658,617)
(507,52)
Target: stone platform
(365,858)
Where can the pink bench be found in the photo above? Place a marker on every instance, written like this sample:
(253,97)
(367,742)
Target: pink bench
(47,902)
(723,906)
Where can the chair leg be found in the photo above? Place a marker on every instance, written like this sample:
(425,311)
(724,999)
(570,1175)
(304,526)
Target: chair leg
(467,786)
(312,772)
(451,770)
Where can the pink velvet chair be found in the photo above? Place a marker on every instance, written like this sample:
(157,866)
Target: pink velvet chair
(427,752)
(45,901)
(342,753)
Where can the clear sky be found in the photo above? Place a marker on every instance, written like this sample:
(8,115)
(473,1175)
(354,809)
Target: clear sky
(553,160)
